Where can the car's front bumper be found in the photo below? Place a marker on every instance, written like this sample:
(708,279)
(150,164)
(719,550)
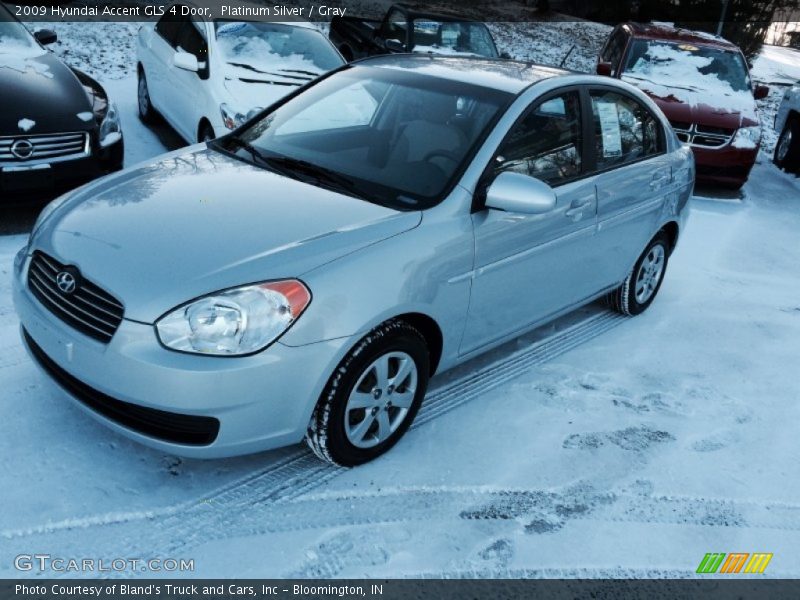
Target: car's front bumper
(22,182)
(262,401)
(726,165)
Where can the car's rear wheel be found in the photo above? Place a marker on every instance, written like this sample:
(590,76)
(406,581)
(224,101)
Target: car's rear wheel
(372,397)
(787,150)
(146,111)
(641,285)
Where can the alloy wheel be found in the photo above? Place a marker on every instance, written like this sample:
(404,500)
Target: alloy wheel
(381,399)
(650,273)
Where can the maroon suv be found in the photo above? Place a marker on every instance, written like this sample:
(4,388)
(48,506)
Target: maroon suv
(702,84)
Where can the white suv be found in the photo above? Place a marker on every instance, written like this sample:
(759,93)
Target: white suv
(206,77)
(787,121)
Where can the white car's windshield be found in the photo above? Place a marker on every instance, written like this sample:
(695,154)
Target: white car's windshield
(450,37)
(688,65)
(394,137)
(14,38)
(266,47)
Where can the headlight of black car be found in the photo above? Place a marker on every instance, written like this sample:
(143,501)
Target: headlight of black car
(105,112)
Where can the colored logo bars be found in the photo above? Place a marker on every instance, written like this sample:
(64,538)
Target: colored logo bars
(735,562)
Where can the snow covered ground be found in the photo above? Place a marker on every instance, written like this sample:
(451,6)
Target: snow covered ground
(598,446)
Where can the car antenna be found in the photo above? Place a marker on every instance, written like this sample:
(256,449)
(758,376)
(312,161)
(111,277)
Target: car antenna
(566,56)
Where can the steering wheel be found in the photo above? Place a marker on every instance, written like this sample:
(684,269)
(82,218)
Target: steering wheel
(444,154)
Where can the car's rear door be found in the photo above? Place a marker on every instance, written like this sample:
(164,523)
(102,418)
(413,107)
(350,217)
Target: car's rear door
(530,266)
(633,178)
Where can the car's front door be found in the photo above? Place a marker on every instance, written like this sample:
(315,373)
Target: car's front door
(529,267)
(161,47)
(186,87)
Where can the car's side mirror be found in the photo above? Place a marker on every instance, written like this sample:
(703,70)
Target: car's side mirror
(761,92)
(186,61)
(505,55)
(394,46)
(46,36)
(514,192)
(604,68)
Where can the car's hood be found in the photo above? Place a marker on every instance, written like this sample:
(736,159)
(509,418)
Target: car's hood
(727,109)
(261,85)
(40,94)
(198,221)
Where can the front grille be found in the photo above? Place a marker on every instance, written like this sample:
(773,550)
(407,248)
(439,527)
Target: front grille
(34,149)
(169,427)
(702,135)
(89,309)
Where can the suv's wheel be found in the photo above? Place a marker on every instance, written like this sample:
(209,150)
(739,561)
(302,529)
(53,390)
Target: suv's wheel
(641,285)
(372,397)
(146,111)
(787,150)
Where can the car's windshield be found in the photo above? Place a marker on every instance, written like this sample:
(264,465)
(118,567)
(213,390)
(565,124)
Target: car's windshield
(397,138)
(15,38)
(450,37)
(688,65)
(267,46)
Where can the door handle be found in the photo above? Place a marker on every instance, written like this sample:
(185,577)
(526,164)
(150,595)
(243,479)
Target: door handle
(659,180)
(577,209)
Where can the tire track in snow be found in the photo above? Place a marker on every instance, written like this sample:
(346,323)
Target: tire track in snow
(299,472)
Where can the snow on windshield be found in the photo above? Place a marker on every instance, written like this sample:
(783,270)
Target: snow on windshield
(270,47)
(681,70)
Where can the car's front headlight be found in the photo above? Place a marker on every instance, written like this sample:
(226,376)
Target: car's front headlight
(110,128)
(231,118)
(747,137)
(234,322)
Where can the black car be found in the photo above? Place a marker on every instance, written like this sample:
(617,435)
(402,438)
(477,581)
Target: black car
(57,126)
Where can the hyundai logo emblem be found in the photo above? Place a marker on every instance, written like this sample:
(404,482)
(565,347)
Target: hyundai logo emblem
(22,149)
(66,282)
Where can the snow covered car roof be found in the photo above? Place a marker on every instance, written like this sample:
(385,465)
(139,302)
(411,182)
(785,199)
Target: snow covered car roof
(665,31)
(505,75)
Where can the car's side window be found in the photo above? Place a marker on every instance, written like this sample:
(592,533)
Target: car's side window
(168,28)
(546,143)
(192,41)
(624,129)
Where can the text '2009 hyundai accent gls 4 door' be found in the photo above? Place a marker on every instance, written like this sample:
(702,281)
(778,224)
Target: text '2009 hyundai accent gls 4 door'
(306,274)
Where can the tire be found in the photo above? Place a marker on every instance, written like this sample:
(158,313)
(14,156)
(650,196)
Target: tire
(147,113)
(358,417)
(787,150)
(205,133)
(641,285)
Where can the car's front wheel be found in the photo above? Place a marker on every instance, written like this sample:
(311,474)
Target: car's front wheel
(372,397)
(787,150)
(641,285)
(146,111)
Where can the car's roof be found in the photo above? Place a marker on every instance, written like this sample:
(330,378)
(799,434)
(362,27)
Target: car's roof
(511,76)
(664,31)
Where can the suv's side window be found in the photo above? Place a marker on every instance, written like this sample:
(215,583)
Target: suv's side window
(395,27)
(612,53)
(168,28)
(546,143)
(624,129)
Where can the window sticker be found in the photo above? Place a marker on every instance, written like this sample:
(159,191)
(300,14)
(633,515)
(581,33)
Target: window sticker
(609,127)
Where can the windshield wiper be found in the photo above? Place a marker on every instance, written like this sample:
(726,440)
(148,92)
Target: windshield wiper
(323,176)
(251,150)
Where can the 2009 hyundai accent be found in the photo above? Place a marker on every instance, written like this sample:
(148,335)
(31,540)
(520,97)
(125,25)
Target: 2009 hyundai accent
(305,275)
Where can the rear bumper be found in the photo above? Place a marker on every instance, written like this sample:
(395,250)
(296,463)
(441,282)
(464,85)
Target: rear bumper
(198,406)
(20,183)
(727,165)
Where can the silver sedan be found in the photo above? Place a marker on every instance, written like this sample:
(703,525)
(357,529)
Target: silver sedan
(305,275)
